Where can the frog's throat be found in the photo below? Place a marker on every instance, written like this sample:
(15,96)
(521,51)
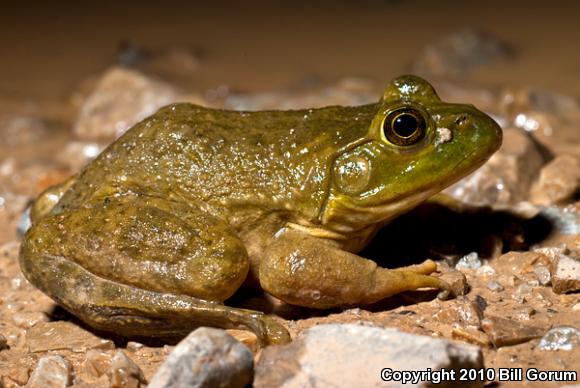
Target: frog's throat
(344,216)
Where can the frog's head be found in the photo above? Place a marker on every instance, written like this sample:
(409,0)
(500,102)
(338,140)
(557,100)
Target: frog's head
(416,146)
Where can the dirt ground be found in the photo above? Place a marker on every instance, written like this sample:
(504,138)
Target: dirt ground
(521,212)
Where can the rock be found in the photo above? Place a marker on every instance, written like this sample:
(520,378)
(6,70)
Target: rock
(350,355)
(51,372)
(560,338)
(558,182)
(460,53)
(565,272)
(207,357)
(543,274)
(506,332)
(124,373)
(134,346)
(495,286)
(506,178)
(63,335)
(121,98)
(457,281)
(469,261)
(96,363)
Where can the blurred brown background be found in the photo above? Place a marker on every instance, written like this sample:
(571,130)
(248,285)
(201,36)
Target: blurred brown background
(47,48)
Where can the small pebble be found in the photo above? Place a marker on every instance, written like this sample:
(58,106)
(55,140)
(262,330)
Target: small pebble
(494,286)
(486,270)
(124,373)
(469,261)
(51,371)
(565,272)
(133,346)
(524,289)
(560,338)
(97,362)
(457,281)
(543,274)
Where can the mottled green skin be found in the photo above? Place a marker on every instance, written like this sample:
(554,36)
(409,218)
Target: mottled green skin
(192,203)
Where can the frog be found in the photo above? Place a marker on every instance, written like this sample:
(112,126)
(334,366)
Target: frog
(193,205)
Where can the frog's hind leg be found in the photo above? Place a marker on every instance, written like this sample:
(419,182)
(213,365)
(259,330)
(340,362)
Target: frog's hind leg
(136,268)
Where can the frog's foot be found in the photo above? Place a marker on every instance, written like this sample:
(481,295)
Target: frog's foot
(309,271)
(426,268)
(143,267)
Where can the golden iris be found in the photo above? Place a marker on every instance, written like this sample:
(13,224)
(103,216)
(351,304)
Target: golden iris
(404,127)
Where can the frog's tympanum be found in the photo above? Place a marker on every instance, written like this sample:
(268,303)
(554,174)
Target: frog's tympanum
(192,204)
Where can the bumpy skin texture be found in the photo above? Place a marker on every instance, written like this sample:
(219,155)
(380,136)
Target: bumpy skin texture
(193,203)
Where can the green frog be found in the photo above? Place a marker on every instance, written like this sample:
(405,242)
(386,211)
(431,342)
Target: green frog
(192,204)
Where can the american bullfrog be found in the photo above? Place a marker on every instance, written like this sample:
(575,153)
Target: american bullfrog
(192,204)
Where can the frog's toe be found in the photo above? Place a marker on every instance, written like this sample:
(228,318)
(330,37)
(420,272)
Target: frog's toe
(445,295)
(268,330)
(425,268)
(276,333)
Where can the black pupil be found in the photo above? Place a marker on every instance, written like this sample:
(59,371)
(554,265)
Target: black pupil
(405,125)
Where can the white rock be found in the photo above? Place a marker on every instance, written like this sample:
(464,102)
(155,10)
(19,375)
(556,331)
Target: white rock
(51,372)
(469,261)
(560,338)
(353,356)
(565,274)
(207,357)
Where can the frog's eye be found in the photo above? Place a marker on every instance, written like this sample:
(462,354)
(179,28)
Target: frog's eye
(404,127)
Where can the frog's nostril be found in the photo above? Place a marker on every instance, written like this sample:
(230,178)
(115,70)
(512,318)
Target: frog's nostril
(460,120)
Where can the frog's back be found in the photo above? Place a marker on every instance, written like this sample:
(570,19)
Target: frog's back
(226,158)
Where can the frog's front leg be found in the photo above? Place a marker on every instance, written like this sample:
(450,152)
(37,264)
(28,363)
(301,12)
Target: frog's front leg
(143,266)
(314,272)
